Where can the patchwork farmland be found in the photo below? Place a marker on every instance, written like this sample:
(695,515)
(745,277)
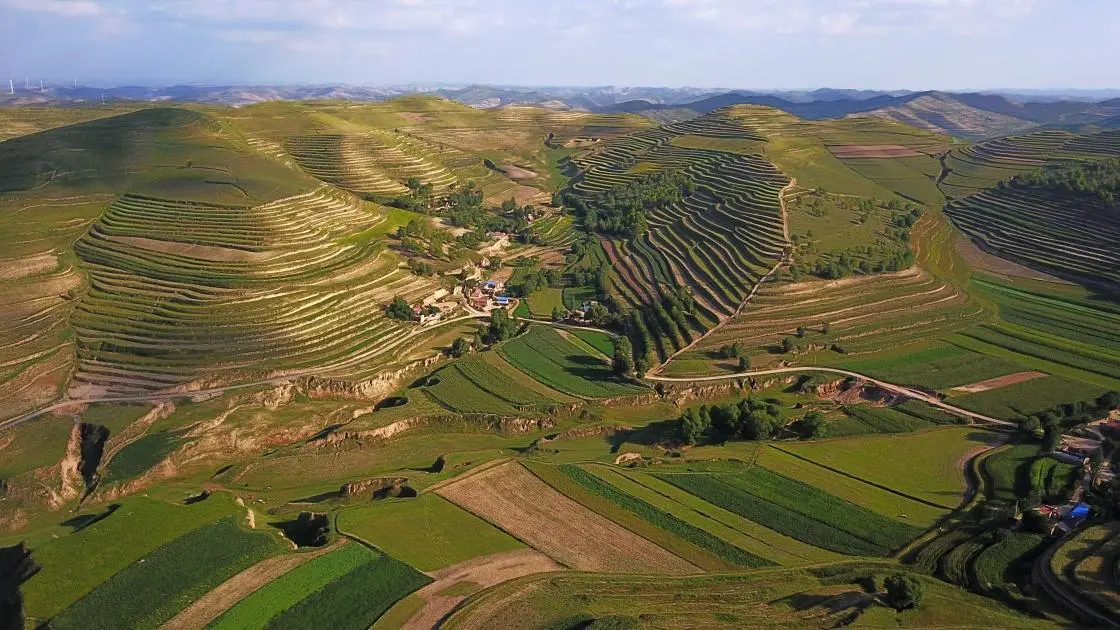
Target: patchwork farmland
(418,364)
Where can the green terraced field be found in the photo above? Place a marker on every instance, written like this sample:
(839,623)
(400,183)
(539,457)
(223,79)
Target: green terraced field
(543,354)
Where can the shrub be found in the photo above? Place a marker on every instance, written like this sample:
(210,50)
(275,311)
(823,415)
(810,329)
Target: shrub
(903,591)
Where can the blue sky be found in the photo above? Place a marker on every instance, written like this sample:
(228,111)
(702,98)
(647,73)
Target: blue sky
(881,44)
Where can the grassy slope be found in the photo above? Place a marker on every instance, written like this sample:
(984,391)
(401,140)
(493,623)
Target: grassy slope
(428,532)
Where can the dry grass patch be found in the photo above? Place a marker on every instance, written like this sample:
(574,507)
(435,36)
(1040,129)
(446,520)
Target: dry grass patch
(999,381)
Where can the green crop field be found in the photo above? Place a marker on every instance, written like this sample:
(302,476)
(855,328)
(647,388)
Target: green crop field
(931,459)
(542,302)
(428,532)
(780,598)
(75,564)
(545,355)
(150,592)
(272,599)
(354,600)
(798,510)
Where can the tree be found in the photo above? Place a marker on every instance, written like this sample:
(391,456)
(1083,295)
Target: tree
(903,591)
(787,345)
(641,366)
(813,425)
(399,309)
(800,332)
(558,313)
(502,327)
(623,356)
(1032,427)
(460,347)
(1052,438)
(693,426)
(824,328)
(744,363)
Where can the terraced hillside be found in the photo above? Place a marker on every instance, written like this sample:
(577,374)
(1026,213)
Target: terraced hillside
(1057,230)
(55,184)
(265,287)
(717,243)
(373,164)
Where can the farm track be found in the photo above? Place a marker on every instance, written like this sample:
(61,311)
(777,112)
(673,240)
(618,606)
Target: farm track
(486,571)
(896,389)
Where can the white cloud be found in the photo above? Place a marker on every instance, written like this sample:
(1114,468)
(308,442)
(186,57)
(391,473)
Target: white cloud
(63,8)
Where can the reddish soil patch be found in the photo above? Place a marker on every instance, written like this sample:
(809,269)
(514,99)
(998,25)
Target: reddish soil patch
(872,151)
(999,381)
(485,572)
(413,116)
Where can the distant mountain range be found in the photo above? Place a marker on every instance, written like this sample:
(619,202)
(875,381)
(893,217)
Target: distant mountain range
(971,115)
(964,115)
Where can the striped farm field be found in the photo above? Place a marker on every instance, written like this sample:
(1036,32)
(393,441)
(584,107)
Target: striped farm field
(798,510)
(930,458)
(853,490)
(348,588)
(513,499)
(477,385)
(148,593)
(256,610)
(661,519)
(554,361)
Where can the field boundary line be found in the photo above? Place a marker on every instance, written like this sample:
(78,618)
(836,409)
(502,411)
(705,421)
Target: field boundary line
(860,479)
(470,473)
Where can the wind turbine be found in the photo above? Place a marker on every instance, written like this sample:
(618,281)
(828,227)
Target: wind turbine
(11,87)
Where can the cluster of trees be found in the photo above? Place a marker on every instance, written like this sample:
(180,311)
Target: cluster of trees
(420,196)
(845,265)
(748,419)
(667,317)
(400,310)
(526,283)
(501,328)
(622,210)
(1099,180)
(1048,425)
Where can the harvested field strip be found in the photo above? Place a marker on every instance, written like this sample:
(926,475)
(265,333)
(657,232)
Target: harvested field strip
(698,556)
(662,519)
(999,381)
(512,498)
(883,501)
(150,592)
(354,600)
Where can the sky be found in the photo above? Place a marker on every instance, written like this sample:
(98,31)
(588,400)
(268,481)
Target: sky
(746,44)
